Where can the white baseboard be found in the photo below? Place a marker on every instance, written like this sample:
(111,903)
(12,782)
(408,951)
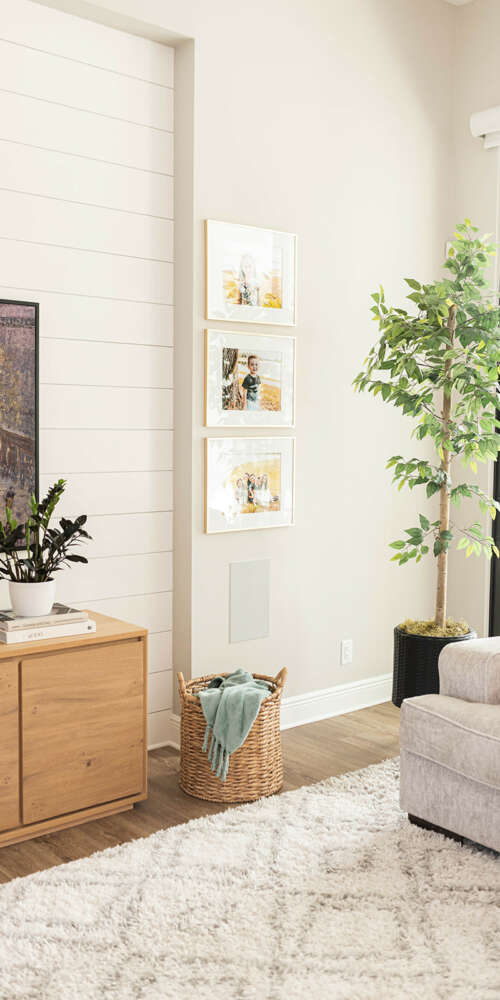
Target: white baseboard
(172,735)
(325,703)
(312,706)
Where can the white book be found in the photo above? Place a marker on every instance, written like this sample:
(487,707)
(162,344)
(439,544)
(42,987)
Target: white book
(61,614)
(50,632)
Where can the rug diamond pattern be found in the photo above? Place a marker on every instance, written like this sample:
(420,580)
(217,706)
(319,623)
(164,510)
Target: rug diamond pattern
(326,891)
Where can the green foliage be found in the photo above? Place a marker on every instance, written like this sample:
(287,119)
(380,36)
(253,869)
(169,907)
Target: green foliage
(417,362)
(33,551)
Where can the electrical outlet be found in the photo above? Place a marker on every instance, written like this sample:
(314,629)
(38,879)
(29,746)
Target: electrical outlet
(346,652)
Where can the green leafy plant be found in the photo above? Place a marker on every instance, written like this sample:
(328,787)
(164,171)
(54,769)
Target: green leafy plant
(31,552)
(440,365)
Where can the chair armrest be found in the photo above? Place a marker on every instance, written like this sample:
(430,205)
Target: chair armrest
(471,670)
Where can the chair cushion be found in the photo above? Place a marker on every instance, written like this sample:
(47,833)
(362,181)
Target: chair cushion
(457,734)
(471,670)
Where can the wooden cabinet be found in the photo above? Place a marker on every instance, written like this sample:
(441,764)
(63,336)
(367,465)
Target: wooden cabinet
(9,745)
(72,729)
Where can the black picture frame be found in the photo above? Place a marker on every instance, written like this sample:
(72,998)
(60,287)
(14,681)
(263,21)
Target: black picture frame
(36,444)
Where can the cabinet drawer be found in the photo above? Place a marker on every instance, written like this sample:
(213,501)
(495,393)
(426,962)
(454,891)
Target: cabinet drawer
(9,745)
(82,728)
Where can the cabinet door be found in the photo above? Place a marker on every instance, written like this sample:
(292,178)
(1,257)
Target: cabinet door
(82,728)
(9,745)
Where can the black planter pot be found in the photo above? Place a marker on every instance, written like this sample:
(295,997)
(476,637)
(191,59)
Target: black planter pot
(416,663)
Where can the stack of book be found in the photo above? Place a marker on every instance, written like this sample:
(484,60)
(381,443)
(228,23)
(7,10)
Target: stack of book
(62,621)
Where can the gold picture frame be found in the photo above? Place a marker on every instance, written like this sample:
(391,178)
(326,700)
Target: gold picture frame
(250,274)
(249,483)
(249,379)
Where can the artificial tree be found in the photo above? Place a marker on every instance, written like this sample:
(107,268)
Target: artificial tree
(440,365)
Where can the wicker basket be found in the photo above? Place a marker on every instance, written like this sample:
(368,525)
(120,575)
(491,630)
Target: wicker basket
(255,770)
(416,663)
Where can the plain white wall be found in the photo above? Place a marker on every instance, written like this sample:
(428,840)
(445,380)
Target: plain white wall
(332,121)
(86,208)
(348,147)
(476,87)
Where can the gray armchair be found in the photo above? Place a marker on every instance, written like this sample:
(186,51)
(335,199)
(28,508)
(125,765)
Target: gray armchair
(450,746)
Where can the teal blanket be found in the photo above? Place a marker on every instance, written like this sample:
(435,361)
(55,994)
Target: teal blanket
(230,706)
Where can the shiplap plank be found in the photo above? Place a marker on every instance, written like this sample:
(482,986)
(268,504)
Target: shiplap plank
(77,85)
(105,451)
(158,728)
(82,272)
(105,408)
(57,175)
(82,134)
(116,576)
(113,493)
(65,35)
(160,691)
(81,318)
(129,534)
(77,362)
(86,199)
(36,219)
(75,585)
(159,651)
(4,594)
(150,611)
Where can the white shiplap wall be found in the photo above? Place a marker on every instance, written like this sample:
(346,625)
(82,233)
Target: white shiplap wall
(86,230)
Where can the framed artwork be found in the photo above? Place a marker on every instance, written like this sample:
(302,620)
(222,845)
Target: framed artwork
(18,405)
(249,379)
(250,274)
(249,483)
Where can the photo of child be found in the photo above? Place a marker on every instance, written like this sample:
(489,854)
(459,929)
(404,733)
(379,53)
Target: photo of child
(249,483)
(251,381)
(250,274)
(247,284)
(257,486)
(253,279)
(251,385)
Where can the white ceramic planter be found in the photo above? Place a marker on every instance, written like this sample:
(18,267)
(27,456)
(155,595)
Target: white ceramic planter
(29,600)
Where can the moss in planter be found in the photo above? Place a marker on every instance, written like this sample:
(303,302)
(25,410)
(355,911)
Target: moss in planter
(429,628)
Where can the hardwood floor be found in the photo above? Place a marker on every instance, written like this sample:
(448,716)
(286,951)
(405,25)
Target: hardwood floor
(311,753)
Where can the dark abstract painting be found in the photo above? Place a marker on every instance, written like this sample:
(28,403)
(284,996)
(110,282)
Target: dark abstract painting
(18,405)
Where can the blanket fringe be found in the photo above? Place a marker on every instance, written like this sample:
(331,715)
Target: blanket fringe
(218,756)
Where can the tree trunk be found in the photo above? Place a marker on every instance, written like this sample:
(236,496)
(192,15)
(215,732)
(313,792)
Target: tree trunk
(231,392)
(444,494)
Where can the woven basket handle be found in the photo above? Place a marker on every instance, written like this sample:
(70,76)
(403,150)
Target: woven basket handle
(281,677)
(182,685)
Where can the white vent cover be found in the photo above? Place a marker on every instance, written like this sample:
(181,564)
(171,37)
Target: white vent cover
(486,124)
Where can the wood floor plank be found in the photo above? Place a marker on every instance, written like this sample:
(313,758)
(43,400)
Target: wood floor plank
(311,753)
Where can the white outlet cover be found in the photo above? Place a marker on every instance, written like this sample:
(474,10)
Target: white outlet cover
(346,652)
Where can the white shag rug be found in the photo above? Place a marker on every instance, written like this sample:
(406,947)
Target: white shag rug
(325,892)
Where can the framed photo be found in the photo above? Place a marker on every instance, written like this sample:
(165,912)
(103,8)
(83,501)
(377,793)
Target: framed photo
(18,405)
(249,379)
(250,274)
(249,483)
